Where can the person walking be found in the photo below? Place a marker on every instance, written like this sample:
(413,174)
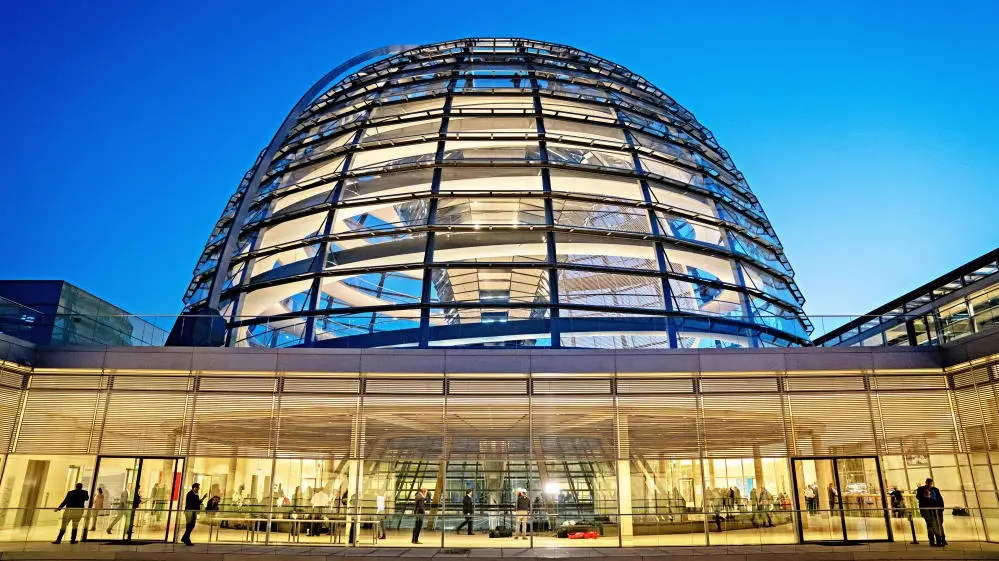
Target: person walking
(159,500)
(715,500)
(192,505)
(95,508)
(75,504)
(122,510)
(931,505)
(523,513)
(467,508)
(419,510)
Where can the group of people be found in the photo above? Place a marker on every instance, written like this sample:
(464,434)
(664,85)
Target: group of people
(522,514)
(74,506)
(811,494)
(727,502)
(930,501)
(928,498)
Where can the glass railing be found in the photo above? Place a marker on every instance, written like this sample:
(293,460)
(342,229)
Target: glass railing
(449,529)
(153,330)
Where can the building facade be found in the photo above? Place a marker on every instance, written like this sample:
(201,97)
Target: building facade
(55,312)
(960,303)
(646,447)
(496,192)
(517,194)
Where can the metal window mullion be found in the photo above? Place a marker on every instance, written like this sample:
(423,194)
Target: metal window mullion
(873,389)
(435,188)
(994,388)
(273,433)
(615,419)
(700,432)
(266,156)
(972,324)
(244,277)
(551,253)
(660,249)
(910,331)
(937,325)
(740,275)
(747,305)
(319,263)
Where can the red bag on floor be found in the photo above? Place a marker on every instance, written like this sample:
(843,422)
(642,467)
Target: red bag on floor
(577,535)
(591,535)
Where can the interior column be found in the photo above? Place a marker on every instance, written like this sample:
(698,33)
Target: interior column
(625,523)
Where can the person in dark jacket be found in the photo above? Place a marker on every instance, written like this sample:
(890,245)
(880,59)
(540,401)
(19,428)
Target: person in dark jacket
(523,514)
(897,502)
(467,508)
(75,504)
(419,510)
(192,505)
(212,507)
(931,505)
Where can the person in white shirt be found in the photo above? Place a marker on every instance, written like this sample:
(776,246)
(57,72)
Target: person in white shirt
(239,497)
(319,501)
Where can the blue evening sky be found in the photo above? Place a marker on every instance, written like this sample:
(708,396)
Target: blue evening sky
(868,129)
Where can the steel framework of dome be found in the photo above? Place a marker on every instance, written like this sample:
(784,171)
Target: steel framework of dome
(496,192)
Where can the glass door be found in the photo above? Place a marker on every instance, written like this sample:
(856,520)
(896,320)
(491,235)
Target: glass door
(862,501)
(839,499)
(140,498)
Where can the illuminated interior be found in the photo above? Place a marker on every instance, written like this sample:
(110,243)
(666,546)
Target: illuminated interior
(657,458)
(499,192)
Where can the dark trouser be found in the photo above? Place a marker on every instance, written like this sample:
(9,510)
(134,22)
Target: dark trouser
(192,519)
(70,516)
(417,528)
(467,522)
(316,527)
(934,526)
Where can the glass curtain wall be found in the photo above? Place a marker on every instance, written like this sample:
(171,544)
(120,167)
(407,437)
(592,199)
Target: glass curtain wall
(498,193)
(652,459)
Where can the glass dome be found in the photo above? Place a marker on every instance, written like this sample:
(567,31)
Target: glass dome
(496,192)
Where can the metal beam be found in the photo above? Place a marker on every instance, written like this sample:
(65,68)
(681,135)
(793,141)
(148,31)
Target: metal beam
(264,162)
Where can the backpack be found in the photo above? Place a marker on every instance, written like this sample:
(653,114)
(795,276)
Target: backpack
(501,532)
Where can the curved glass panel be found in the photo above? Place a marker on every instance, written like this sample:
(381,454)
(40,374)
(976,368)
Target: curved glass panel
(510,193)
